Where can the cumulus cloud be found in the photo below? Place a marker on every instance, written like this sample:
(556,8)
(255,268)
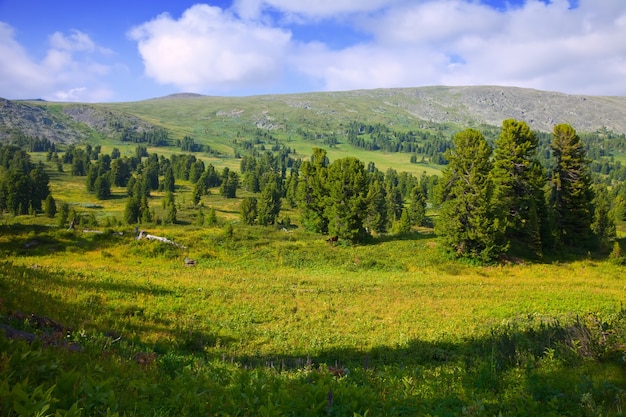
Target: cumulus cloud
(210,49)
(551,46)
(66,73)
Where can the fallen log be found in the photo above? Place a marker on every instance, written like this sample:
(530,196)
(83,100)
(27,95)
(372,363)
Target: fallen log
(144,235)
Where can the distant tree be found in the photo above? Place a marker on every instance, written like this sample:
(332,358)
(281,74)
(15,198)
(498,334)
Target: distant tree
(403,225)
(572,196)
(63,215)
(102,187)
(417,206)
(168,180)
(170,206)
(603,225)
(467,223)
(230,182)
(120,171)
(49,206)
(248,210)
(270,200)
(376,214)
(132,211)
(211,218)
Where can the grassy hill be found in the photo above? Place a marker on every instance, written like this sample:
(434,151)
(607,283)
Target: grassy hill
(304,121)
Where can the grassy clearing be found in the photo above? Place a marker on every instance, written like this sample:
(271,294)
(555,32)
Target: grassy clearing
(275,321)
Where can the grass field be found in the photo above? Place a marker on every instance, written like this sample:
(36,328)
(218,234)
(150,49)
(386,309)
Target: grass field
(275,321)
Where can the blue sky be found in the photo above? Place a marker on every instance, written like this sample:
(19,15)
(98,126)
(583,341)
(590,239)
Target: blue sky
(97,51)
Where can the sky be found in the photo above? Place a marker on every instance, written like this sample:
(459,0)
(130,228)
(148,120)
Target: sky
(104,51)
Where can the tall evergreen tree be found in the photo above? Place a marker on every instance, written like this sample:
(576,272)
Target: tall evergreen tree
(270,200)
(248,210)
(572,195)
(376,215)
(519,181)
(346,203)
(312,192)
(168,180)
(467,222)
(102,187)
(417,207)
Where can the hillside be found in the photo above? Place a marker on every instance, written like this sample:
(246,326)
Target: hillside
(205,117)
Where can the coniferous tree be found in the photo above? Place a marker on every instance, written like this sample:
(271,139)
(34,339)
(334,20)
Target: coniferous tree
(571,193)
(49,206)
(170,206)
(467,222)
(519,181)
(376,216)
(64,213)
(603,225)
(417,207)
(168,180)
(102,187)
(346,203)
(312,192)
(270,200)
(248,210)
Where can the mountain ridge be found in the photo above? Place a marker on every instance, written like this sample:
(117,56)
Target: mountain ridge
(461,106)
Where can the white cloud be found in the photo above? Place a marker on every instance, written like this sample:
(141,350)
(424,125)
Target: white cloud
(67,72)
(210,49)
(455,42)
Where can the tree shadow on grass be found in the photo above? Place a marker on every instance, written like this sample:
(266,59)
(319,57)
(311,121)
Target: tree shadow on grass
(528,367)
(37,240)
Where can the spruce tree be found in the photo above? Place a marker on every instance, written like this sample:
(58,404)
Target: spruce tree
(572,195)
(467,220)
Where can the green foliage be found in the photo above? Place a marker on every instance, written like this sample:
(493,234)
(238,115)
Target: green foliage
(468,221)
(572,195)
(49,206)
(519,182)
(249,210)
(270,200)
(346,206)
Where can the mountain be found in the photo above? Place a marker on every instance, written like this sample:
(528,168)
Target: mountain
(65,122)
(424,107)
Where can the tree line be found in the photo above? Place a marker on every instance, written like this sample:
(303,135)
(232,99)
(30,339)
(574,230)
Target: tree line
(494,198)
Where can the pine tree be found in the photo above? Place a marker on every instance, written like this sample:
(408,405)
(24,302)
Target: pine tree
(168,180)
(346,204)
(603,225)
(312,192)
(376,216)
(102,187)
(572,195)
(248,210)
(467,222)
(519,181)
(270,200)
(49,206)
(417,207)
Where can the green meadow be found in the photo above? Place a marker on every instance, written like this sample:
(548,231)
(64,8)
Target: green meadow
(275,321)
